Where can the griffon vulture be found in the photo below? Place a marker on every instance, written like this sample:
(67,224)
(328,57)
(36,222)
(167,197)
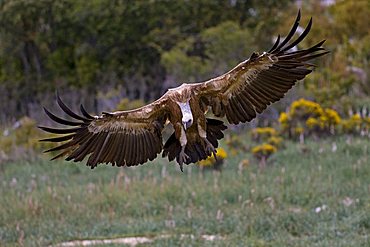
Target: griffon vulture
(129,138)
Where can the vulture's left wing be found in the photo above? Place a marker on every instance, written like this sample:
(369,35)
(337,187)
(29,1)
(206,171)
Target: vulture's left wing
(261,80)
(120,138)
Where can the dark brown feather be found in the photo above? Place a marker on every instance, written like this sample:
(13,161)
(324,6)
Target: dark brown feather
(290,34)
(247,106)
(121,150)
(256,101)
(300,38)
(69,111)
(60,120)
(237,110)
(84,112)
(59,131)
(58,139)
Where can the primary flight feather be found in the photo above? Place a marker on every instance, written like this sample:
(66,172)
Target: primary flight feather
(129,138)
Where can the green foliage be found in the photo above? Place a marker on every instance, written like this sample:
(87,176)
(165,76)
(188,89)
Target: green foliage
(216,50)
(21,141)
(144,47)
(332,86)
(87,45)
(351,19)
(126,104)
(181,66)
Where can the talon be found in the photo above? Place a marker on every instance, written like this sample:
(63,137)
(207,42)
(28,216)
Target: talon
(210,149)
(183,157)
(214,155)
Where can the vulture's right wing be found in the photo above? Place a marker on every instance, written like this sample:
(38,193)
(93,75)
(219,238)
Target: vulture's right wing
(120,138)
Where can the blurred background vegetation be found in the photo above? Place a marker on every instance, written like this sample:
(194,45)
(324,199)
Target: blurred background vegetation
(98,52)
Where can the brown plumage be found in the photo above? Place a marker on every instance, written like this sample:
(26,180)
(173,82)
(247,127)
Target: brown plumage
(129,138)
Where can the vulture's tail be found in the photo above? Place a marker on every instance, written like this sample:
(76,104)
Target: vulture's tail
(195,150)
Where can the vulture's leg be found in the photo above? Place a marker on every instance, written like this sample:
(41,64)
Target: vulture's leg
(181,136)
(210,149)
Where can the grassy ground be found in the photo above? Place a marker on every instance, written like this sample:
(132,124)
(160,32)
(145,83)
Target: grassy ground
(45,202)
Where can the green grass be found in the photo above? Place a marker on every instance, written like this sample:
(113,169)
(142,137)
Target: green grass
(46,202)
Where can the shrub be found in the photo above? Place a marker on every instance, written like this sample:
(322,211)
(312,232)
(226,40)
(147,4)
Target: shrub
(127,104)
(213,163)
(307,117)
(263,152)
(275,141)
(235,144)
(21,141)
(262,134)
(352,125)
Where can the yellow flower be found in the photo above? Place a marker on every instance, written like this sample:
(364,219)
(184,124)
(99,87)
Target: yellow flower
(352,124)
(298,130)
(263,133)
(206,162)
(275,141)
(264,149)
(356,118)
(333,116)
(312,123)
(221,155)
(367,121)
(324,121)
(283,118)
(304,107)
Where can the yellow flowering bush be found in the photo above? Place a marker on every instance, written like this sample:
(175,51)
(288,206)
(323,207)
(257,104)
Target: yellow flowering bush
(333,116)
(235,144)
(305,108)
(307,117)
(275,141)
(264,150)
(366,121)
(329,120)
(312,123)
(284,118)
(353,124)
(298,130)
(211,162)
(21,140)
(259,134)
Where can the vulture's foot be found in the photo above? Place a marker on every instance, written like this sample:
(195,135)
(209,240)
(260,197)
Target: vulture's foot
(182,158)
(210,149)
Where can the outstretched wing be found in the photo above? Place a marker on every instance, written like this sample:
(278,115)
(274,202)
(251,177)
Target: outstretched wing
(261,80)
(120,138)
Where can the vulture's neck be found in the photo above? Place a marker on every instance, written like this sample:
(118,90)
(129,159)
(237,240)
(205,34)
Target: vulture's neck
(187,116)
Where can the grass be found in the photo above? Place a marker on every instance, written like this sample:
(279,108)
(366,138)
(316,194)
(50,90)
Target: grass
(46,202)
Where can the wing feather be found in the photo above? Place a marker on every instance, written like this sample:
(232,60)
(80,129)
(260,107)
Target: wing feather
(261,80)
(120,138)
(121,150)
(246,106)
